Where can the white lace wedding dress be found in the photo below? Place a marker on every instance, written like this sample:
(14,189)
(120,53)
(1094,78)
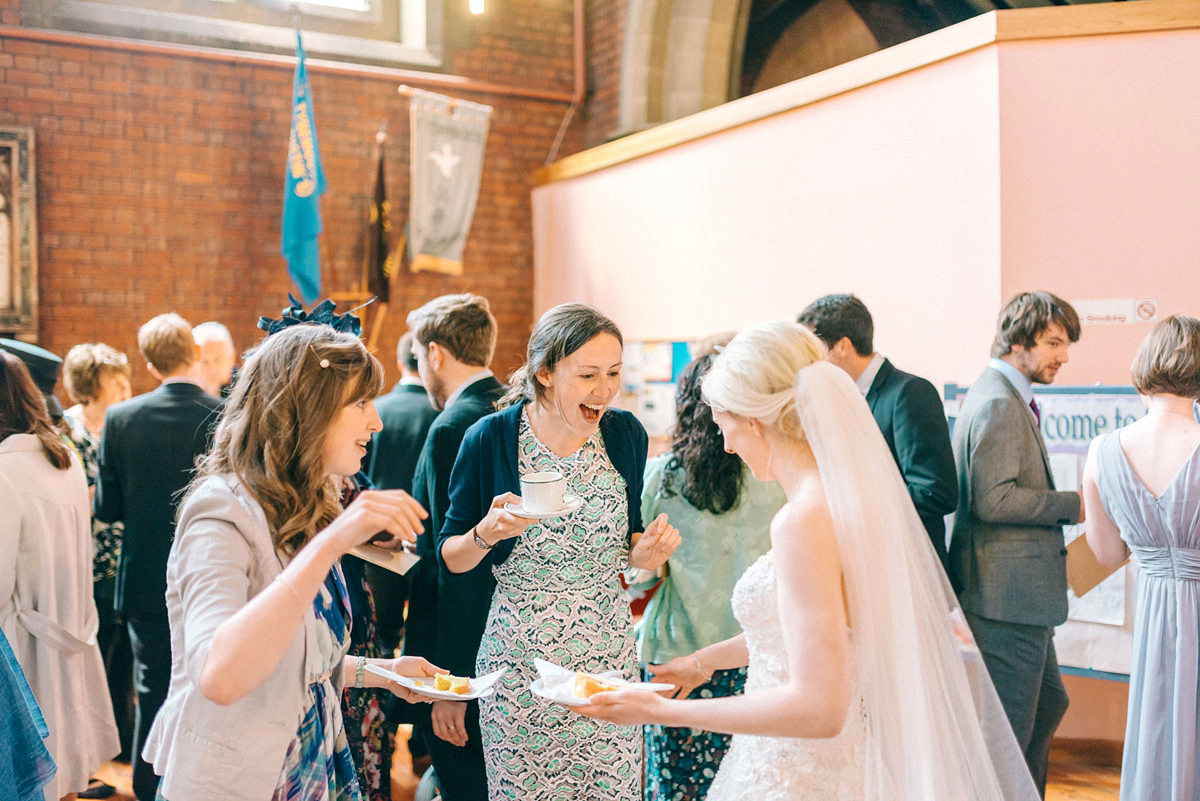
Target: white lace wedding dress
(785,768)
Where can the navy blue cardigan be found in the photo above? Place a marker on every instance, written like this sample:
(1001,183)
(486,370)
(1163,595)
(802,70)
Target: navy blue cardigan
(487,467)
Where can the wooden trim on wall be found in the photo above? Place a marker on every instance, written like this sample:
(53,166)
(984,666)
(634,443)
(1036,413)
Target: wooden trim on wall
(1049,22)
(393,74)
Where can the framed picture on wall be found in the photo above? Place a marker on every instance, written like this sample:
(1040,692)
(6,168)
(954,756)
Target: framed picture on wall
(18,234)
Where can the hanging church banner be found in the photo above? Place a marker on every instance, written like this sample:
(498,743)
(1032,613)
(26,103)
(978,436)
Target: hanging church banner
(446,165)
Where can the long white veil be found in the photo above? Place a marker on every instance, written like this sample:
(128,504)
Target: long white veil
(936,729)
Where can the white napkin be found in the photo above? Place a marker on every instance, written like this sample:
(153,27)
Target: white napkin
(556,683)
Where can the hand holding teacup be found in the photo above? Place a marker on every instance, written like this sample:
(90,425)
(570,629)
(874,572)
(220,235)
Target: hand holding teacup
(499,523)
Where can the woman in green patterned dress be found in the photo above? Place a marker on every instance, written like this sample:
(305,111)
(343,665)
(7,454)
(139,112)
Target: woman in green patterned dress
(557,591)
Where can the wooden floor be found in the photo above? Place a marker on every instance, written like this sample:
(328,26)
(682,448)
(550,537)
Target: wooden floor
(1080,770)
(1084,770)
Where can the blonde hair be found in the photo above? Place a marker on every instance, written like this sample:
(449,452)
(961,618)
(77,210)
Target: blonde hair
(272,431)
(166,342)
(86,364)
(755,375)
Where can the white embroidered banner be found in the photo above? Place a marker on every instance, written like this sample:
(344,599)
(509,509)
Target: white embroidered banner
(446,165)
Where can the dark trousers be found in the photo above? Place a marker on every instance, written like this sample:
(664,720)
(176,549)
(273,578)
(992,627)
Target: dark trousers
(150,638)
(112,637)
(461,774)
(1022,664)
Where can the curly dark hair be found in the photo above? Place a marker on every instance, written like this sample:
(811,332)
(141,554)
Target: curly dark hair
(713,479)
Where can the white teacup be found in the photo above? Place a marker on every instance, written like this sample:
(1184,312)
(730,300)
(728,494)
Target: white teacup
(542,492)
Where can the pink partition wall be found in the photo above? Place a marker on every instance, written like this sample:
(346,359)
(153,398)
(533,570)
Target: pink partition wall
(1100,179)
(1052,148)
(869,191)
(934,179)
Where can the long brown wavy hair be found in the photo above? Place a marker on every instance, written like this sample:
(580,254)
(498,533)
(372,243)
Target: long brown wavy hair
(274,425)
(23,410)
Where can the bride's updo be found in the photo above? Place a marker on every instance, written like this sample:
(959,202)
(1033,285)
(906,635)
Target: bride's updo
(755,375)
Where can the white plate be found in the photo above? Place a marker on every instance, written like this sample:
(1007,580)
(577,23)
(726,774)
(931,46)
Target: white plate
(481,687)
(539,688)
(570,504)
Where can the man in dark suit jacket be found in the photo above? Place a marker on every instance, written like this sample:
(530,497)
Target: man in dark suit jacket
(454,337)
(1007,556)
(147,453)
(907,408)
(406,413)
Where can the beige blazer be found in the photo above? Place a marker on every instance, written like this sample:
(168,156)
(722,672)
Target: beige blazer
(222,557)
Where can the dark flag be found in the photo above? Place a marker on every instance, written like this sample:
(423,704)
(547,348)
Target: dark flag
(380,256)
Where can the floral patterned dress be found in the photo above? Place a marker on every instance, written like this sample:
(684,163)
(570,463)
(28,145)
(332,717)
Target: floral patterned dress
(558,598)
(106,537)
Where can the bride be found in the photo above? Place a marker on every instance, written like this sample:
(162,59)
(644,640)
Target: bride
(864,682)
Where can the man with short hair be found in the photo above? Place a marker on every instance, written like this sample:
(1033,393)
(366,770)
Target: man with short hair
(1007,556)
(454,337)
(217,357)
(906,407)
(147,452)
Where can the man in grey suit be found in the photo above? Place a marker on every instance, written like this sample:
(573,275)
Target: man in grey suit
(907,408)
(1007,557)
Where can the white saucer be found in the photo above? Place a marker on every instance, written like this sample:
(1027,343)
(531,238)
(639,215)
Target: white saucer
(570,504)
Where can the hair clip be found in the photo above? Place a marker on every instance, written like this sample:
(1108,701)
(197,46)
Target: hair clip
(324,363)
(321,314)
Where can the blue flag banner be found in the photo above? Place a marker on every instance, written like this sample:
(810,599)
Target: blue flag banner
(304,183)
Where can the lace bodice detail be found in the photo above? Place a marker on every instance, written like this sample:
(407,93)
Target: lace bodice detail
(785,768)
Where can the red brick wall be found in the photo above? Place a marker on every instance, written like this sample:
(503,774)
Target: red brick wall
(605,29)
(160,176)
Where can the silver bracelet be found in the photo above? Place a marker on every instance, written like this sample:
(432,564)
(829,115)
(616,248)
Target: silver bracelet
(358,672)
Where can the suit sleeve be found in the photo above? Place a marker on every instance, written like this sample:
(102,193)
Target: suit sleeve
(108,505)
(923,450)
(997,496)
(443,450)
(464,598)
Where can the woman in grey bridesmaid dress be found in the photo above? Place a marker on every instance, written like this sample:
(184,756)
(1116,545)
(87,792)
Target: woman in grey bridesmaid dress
(1142,494)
